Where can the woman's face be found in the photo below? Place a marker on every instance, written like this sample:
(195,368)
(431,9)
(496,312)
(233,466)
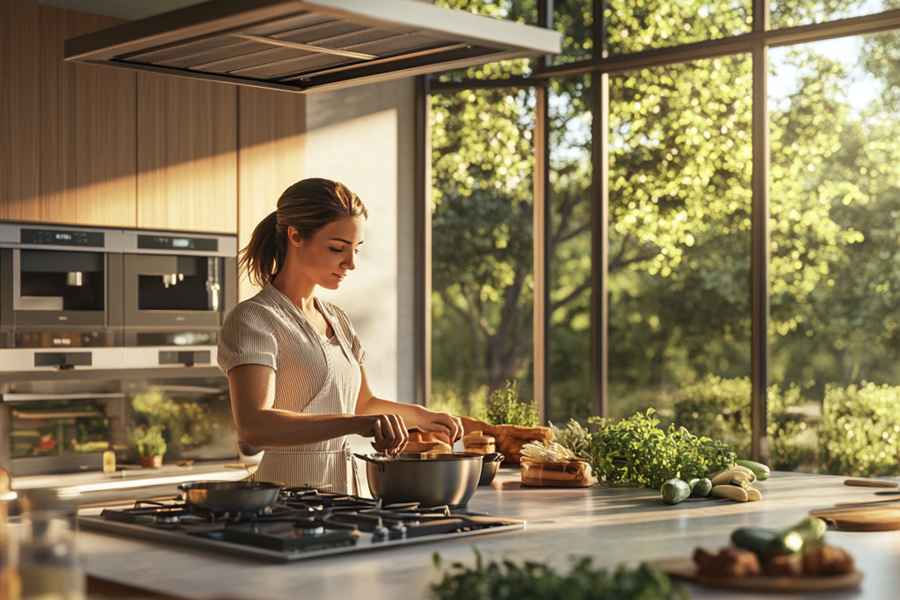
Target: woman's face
(330,254)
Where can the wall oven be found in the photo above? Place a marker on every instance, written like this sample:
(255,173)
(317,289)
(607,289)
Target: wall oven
(60,297)
(177,288)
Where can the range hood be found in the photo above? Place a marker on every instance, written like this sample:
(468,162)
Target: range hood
(301,45)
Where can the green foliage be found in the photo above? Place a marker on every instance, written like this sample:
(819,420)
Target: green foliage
(504,408)
(860,432)
(636,452)
(507,580)
(573,436)
(720,408)
(445,399)
(150,441)
(187,423)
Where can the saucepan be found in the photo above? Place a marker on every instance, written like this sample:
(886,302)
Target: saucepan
(490,463)
(230,496)
(429,479)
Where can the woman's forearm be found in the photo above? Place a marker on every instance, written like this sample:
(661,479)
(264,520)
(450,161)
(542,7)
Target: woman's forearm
(279,428)
(410,413)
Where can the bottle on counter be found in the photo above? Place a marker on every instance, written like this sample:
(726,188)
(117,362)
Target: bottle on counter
(10,583)
(48,560)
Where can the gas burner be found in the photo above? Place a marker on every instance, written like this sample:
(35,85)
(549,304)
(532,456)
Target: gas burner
(302,524)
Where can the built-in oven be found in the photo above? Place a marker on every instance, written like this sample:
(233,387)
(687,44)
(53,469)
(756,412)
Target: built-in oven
(60,297)
(59,432)
(177,289)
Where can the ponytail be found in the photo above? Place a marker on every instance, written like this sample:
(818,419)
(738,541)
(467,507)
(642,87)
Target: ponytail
(308,206)
(264,255)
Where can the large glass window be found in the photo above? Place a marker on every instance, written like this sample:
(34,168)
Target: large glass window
(570,244)
(636,25)
(791,13)
(482,245)
(834,405)
(679,245)
(679,231)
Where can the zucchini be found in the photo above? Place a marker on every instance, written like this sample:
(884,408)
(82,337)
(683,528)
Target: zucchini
(674,491)
(766,543)
(760,470)
(701,488)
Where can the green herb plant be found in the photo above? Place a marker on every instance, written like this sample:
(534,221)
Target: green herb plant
(636,452)
(150,441)
(536,581)
(503,407)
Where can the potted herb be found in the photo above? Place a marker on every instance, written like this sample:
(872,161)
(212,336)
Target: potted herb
(151,446)
(512,422)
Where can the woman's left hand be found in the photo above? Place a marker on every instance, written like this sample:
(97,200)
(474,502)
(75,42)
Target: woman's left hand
(429,421)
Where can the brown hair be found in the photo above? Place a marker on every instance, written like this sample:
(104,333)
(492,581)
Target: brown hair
(308,205)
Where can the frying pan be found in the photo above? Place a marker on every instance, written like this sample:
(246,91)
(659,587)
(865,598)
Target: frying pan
(230,496)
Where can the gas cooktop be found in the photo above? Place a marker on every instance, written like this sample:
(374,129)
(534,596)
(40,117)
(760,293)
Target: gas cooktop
(304,523)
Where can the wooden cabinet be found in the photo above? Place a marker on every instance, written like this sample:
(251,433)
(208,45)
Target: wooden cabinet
(67,131)
(186,154)
(271,157)
(91,145)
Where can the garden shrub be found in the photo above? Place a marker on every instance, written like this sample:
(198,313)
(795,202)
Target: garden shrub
(720,409)
(860,431)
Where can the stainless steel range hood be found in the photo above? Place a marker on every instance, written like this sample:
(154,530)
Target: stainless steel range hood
(302,45)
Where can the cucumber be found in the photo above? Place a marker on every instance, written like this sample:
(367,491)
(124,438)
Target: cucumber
(754,539)
(674,491)
(766,543)
(760,470)
(702,488)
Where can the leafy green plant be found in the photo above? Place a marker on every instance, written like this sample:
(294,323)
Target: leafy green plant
(186,423)
(636,452)
(536,581)
(503,407)
(573,436)
(150,441)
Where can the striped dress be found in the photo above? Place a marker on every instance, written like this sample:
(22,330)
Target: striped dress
(313,375)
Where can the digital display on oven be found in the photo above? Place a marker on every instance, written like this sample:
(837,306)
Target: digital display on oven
(56,237)
(166,242)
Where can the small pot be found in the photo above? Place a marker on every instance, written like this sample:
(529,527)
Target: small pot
(230,496)
(489,466)
(151,462)
(428,479)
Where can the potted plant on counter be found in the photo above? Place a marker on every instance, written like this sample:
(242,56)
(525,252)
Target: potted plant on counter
(151,446)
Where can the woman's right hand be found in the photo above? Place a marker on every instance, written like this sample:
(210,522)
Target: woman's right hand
(389,432)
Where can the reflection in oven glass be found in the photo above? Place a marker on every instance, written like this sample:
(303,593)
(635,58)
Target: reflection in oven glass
(55,428)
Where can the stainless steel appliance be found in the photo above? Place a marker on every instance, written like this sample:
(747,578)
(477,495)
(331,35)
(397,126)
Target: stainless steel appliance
(296,45)
(177,288)
(60,297)
(303,524)
(59,433)
(99,298)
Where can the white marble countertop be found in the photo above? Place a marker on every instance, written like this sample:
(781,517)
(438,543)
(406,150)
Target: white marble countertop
(611,525)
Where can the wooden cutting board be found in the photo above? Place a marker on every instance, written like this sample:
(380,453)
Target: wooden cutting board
(686,568)
(861,518)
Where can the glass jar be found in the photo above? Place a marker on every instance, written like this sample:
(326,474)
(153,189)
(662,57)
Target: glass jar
(48,560)
(10,584)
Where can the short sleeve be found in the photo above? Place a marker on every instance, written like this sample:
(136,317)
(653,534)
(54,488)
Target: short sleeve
(247,338)
(355,344)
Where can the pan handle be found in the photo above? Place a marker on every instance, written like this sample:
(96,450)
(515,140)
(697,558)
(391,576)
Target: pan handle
(371,460)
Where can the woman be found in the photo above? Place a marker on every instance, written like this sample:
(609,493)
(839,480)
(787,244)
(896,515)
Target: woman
(294,362)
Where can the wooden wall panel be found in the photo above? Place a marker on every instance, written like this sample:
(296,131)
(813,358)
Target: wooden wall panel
(186,154)
(87,125)
(19,119)
(271,156)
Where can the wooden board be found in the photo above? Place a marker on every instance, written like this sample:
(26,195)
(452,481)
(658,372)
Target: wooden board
(685,568)
(861,518)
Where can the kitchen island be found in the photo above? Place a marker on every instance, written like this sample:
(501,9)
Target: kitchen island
(611,525)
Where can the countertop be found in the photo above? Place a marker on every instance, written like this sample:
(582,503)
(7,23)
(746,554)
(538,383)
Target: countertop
(611,525)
